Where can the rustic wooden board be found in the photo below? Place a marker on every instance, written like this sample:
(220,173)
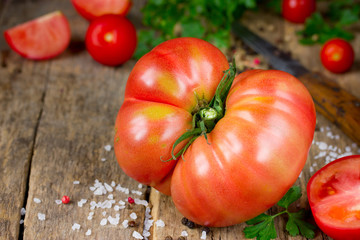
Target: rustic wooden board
(57,120)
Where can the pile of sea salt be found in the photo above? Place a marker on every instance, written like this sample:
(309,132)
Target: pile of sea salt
(329,152)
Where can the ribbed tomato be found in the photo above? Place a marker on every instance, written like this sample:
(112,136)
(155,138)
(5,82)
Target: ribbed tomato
(334,198)
(245,141)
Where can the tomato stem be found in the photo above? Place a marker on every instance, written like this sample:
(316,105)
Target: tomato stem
(206,116)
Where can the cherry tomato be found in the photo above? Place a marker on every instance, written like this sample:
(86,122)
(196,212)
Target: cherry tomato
(91,9)
(249,160)
(334,198)
(42,38)
(297,11)
(111,39)
(337,55)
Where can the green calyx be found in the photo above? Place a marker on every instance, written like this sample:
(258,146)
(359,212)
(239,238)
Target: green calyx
(206,115)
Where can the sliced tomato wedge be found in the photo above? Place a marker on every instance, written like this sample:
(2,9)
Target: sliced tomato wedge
(334,198)
(42,38)
(90,9)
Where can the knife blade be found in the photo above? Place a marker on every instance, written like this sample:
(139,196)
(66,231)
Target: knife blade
(336,104)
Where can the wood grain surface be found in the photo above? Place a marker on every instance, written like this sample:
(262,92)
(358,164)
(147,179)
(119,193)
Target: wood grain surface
(56,134)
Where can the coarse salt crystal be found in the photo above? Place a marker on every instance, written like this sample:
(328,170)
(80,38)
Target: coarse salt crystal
(21,221)
(110,196)
(113,184)
(104,213)
(137,235)
(103,159)
(113,221)
(133,216)
(82,202)
(136,192)
(22,211)
(103,222)
(41,216)
(107,147)
(125,223)
(322,146)
(58,201)
(76,226)
(76,182)
(36,200)
(184,234)
(121,202)
(348,149)
(140,185)
(88,232)
(160,223)
(141,202)
(116,207)
(108,187)
(203,235)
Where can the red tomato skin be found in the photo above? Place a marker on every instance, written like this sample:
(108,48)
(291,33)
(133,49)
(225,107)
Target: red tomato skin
(337,55)
(42,38)
(111,39)
(297,11)
(333,231)
(241,173)
(91,9)
(159,98)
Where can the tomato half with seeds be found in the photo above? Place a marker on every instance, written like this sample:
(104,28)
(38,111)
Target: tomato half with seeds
(334,198)
(337,55)
(91,9)
(226,149)
(42,38)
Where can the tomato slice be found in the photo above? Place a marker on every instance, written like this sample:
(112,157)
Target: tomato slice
(90,9)
(334,198)
(42,38)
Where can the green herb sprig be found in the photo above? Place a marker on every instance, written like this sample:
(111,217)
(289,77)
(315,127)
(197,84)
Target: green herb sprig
(334,23)
(207,19)
(263,226)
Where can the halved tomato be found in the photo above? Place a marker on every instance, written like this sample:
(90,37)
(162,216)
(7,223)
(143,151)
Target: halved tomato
(90,9)
(334,198)
(42,38)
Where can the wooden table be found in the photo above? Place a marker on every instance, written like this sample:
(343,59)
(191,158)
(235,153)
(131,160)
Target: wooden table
(57,119)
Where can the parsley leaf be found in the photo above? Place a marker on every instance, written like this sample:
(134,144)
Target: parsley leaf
(296,223)
(263,227)
(291,196)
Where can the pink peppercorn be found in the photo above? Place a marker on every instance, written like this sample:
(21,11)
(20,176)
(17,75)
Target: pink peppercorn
(131,200)
(256,61)
(65,199)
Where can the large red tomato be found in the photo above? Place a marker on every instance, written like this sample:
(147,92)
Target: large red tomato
(297,11)
(253,153)
(334,198)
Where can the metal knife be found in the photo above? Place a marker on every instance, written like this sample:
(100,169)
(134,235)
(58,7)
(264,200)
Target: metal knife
(336,104)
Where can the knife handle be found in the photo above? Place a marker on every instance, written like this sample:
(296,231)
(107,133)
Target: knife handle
(336,104)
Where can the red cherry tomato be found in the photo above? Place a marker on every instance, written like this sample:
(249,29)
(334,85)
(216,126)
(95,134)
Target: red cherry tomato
(334,198)
(337,55)
(91,9)
(42,38)
(297,11)
(251,157)
(111,39)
